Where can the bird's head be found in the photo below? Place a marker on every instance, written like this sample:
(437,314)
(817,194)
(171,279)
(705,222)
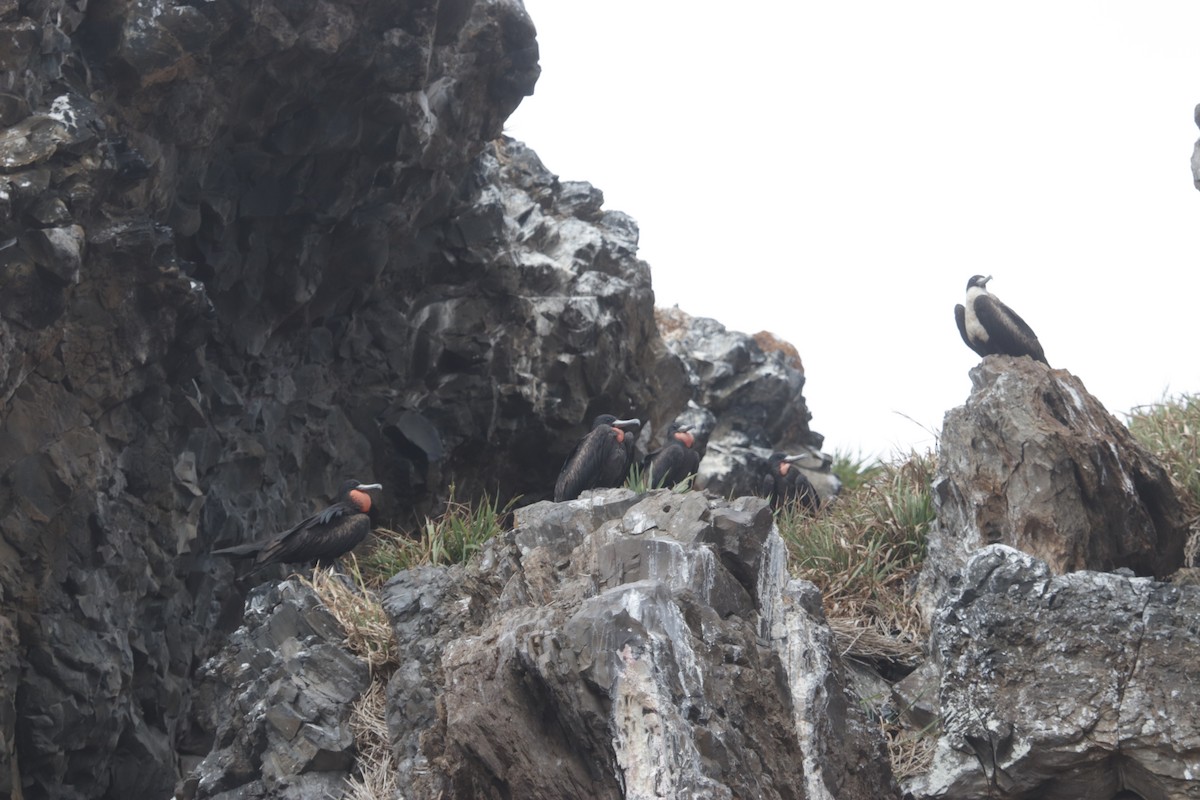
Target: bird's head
(780,463)
(624,425)
(355,494)
(682,434)
(978,282)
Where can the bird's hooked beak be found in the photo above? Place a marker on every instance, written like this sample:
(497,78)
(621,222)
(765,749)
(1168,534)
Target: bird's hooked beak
(627,423)
(807,459)
(985,281)
(362,487)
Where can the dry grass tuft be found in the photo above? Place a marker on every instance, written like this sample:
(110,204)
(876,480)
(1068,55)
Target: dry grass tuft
(377,776)
(864,551)
(1170,429)
(911,752)
(863,637)
(357,609)
(770,343)
(369,636)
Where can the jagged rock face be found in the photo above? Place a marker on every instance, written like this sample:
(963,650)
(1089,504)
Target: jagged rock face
(1035,462)
(1062,687)
(193,200)
(248,250)
(625,646)
(278,699)
(747,400)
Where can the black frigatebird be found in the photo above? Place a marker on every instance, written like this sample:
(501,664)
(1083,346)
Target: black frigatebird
(600,459)
(784,483)
(324,537)
(991,328)
(674,461)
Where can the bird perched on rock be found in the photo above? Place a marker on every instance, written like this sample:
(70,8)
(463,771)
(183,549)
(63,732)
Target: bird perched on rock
(783,483)
(991,328)
(600,459)
(324,537)
(674,461)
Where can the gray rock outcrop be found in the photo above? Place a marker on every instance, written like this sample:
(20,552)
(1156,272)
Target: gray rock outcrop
(739,385)
(277,700)
(193,201)
(248,250)
(626,646)
(1064,686)
(1054,651)
(1033,461)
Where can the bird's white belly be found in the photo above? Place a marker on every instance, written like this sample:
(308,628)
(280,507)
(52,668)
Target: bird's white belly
(975,330)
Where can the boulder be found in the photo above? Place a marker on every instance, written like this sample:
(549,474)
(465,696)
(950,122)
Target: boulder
(746,400)
(1033,461)
(276,701)
(1062,686)
(626,646)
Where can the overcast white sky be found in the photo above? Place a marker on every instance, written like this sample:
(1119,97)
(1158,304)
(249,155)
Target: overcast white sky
(835,172)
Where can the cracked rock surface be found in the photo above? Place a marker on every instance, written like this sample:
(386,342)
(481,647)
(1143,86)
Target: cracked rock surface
(276,703)
(626,646)
(248,250)
(1064,686)
(1034,461)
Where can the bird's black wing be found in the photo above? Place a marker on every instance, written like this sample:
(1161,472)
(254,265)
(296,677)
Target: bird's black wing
(803,491)
(309,536)
(582,467)
(960,318)
(766,487)
(654,467)
(598,461)
(689,463)
(673,466)
(1008,334)
(239,550)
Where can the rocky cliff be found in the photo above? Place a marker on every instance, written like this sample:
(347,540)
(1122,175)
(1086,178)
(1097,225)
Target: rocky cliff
(248,249)
(615,646)
(1058,660)
(653,645)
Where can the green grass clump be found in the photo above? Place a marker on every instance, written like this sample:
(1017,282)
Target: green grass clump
(638,482)
(854,470)
(1170,429)
(459,533)
(864,550)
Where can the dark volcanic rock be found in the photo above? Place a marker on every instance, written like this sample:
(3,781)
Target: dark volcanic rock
(248,250)
(747,400)
(1034,461)
(1062,687)
(278,699)
(625,646)
(193,199)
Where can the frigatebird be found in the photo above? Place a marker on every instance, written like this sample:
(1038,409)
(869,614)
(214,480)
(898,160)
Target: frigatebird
(991,328)
(783,483)
(600,459)
(324,537)
(674,461)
